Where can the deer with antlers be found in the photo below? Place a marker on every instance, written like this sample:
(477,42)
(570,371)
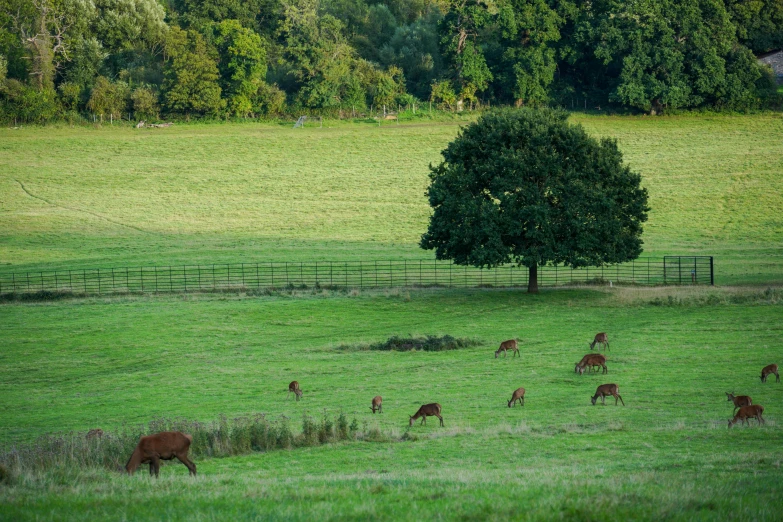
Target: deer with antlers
(161,446)
(377,403)
(770,370)
(427,410)
(748,412)
(606,390)
(591,360)
(739,400)
(518,395)
(505,346)
(601,340)
(294,388)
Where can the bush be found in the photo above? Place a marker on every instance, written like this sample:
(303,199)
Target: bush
(430,343)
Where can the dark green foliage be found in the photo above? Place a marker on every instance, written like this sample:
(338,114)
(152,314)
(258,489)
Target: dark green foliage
(430,343)
(340,57)
(191,75)
(525,186)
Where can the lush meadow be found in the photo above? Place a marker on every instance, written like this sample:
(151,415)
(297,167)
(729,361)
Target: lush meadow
(113,362)
(87,197)
(108,197)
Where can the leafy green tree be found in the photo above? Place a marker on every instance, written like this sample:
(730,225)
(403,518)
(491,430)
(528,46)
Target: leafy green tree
(191,75)
(26,103)
(525,186)
(459,31)
(443,94)
(86,62)
(242,64)
(129,24)
(759,23)
(530,28)
(145,103)
(108,98)
(70,95)
(269,100)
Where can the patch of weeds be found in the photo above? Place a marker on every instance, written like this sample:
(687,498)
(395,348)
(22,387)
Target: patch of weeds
(430,343)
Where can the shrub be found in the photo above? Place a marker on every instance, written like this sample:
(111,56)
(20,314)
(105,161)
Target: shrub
(430,343)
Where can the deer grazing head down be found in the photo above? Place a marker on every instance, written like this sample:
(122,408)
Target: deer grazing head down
(427,410)
(166,445)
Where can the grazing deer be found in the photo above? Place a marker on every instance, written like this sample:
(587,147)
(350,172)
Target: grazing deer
(605,390)
(377,404)
(161,446)
(505,346)
(96,433)
(591,360)
(739,400)
(294,387)
(748,412)
(769,370)
(600,339)
(427,410)
(518,395)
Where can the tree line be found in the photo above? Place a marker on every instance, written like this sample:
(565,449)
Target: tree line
(61,59)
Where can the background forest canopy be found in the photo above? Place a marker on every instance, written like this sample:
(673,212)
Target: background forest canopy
(60,59)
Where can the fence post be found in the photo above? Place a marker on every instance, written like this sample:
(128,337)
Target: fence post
(171,280)
(451,268)
(405,271)
(316,273)
(648,270)
(679,270)
(272,268)
(555,275)
(346,274)
(185,278)
(243,275)
(361,275)
(391,275)
(42,286)
(156,279)
(13,282)
(419,272)
(99,280)
(287,282)
(28,281)
(127,279)
(84,280)
(141,277)
(56,283)
(712,273)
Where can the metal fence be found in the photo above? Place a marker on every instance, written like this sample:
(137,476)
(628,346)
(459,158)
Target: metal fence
(671,270)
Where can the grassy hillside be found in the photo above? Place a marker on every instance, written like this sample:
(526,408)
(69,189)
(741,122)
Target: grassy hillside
(192,194)
(667,453)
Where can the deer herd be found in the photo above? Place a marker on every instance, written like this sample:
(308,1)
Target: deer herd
(173,444)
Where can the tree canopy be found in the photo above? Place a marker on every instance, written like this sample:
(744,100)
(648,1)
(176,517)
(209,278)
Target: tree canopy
(525,186)
(339,56)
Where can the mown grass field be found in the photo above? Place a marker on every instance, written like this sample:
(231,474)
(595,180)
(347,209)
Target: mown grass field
(85,197)
(76,365)
(207,194)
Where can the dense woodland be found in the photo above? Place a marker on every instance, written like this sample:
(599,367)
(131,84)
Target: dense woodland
(70,59)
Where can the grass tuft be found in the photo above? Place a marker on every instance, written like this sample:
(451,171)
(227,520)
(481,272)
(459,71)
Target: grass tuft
(429,343)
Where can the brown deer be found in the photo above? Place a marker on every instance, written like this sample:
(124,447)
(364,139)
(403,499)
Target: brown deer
(294,387)
(739,400)
(377,404)
(505,346)
(161,446)
(518,395)
(427,410)
(748,412)
(96,433)
(591,360)
(600,339)
(769,370)
(605,390)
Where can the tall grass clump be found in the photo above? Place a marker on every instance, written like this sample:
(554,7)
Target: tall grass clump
(221,438)
(430,343)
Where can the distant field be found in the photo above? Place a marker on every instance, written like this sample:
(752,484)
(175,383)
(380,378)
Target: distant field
(191,194)
(666,455)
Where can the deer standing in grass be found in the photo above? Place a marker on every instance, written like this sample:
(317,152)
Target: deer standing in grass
(770,370)
(748,412)
(505,346)
(604,391)
(377,403)
(294,387)
(600,339)
(161,446)
(739,400)
(427,410)
(518,395)
(591,360)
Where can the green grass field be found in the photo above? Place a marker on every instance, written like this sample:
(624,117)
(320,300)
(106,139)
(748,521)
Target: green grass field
(88,197)
(85,197)
(76,365)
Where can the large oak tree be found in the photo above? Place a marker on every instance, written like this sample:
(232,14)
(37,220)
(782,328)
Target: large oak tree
(525,186)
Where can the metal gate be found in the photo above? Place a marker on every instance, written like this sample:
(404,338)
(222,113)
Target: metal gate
(688,270)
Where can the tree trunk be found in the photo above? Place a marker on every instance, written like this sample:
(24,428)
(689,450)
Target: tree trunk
(532,282)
